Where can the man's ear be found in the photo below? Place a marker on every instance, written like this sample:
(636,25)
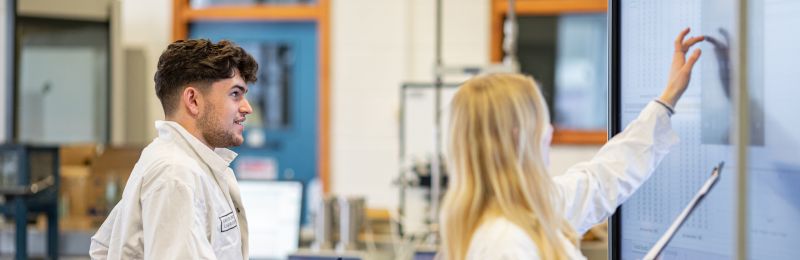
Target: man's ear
(192,99)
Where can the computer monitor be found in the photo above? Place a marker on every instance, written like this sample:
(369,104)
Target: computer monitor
(273,217)
(322,257)
(642,37)
(424,255)
(328,255)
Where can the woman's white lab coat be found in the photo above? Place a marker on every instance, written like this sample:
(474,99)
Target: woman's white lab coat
(591,190)
(181,202)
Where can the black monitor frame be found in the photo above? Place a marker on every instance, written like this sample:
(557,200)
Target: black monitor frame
(614,114)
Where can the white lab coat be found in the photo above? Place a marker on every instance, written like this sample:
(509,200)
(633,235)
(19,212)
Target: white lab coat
(181,201)
(590,190)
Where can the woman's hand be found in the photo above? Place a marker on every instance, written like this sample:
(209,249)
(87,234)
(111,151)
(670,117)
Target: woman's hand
(681,70)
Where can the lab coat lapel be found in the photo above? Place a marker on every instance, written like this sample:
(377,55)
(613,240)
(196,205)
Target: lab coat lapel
(236,197)
(231,187)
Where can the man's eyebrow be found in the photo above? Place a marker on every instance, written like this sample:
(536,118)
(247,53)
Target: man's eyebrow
(242,88)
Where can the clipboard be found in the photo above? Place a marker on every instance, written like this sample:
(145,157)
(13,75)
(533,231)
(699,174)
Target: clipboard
(678,222)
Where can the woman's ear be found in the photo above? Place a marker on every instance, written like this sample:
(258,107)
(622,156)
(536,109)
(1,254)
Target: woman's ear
(192,100)
(547,139)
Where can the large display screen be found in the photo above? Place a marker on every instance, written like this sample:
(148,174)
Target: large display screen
(705,118)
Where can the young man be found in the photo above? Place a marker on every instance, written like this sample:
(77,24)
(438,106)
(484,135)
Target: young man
(182,200)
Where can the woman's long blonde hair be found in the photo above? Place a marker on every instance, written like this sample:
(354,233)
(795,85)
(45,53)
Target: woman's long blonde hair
(496,167)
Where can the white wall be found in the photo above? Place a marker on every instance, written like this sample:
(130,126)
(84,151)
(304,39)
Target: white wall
(369,60)
(147,25)
(562,157)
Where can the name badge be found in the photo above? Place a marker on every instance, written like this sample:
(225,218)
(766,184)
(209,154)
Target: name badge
(227,222)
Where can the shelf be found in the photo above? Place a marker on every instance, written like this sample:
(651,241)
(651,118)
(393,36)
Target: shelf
(572,137)
(553,7)
(261,12)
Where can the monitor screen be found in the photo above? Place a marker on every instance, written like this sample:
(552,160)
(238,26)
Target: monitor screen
(273,217)
(424,255)
(327,255)
(643,33)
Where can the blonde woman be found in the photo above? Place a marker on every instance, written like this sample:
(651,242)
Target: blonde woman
(502,203)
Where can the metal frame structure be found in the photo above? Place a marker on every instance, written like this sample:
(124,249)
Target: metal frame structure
(404,181)
(614,110)
(8,81)
(509,64)
(32,197)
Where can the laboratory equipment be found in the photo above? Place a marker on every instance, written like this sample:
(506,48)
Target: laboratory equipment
(29,182)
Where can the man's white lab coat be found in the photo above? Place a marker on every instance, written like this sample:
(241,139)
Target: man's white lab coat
(590,190)
(181,201)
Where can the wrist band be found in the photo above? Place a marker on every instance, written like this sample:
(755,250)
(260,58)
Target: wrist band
(668,107)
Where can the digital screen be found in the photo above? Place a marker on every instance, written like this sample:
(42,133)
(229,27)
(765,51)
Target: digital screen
(273,217)
(705,119)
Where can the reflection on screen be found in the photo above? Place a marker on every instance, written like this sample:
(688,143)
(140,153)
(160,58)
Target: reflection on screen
(775,166)
(704,121)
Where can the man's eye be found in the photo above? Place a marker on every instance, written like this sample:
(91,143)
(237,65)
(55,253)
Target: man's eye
(235,94)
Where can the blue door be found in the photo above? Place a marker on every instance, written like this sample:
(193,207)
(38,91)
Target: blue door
(281,134)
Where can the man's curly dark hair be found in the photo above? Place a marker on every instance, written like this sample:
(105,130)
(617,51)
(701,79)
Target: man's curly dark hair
(200,62)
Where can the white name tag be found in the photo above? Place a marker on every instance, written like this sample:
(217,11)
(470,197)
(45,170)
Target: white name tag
(227,222)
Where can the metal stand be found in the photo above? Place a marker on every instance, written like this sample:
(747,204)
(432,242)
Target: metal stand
(510,61)
(31,197)
(404,181)
(509,64)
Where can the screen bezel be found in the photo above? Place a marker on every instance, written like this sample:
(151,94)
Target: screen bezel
(615,115)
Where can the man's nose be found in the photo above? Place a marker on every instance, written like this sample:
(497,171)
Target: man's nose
(246,108)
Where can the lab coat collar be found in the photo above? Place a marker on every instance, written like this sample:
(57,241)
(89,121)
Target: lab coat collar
(218,160)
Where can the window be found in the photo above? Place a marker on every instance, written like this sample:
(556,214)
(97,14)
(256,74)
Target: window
(57,105)
(563,45)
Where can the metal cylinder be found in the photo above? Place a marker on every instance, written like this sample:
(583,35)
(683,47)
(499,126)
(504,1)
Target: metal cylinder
(323,224)
(351,220)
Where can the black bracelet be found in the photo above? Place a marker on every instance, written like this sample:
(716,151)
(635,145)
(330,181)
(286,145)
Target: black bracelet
(668,107)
